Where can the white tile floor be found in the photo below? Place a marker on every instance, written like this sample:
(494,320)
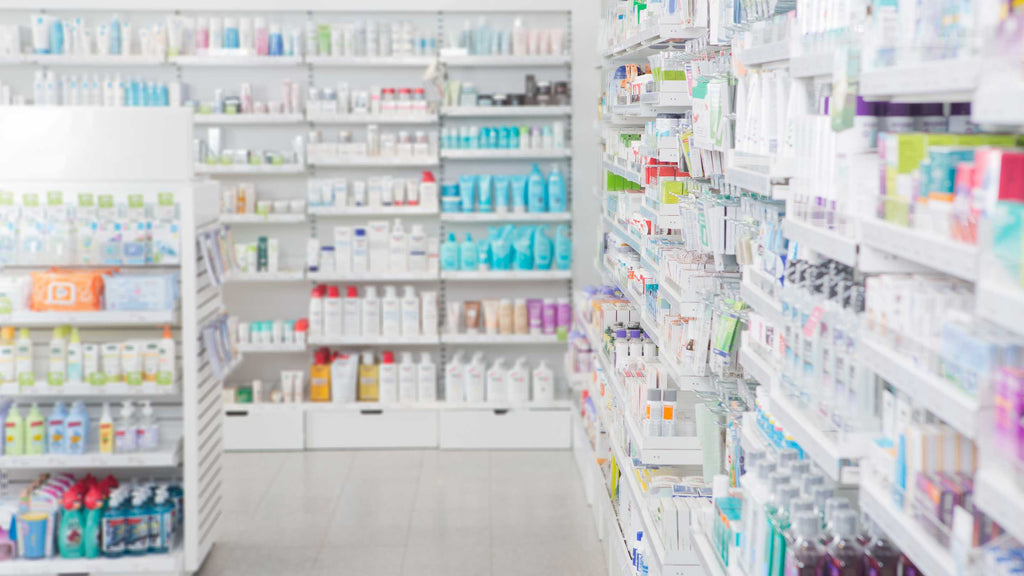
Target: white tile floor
(405,512)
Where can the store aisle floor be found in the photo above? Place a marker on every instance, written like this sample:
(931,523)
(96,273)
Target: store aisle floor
(421,513)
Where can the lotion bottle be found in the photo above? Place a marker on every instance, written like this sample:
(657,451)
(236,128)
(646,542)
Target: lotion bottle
(388,378)
(390,313)
(35,432)
(332,313)
(426,379)
(57,372)
(23,359)
(519,383)
(371,313)
(166,361)
(74,364)
(410,313)
(14,432)
(352,313)
(476,378)
(399,248)
(316,312)
(455,380)
(408,388)
(497,388)
(417,249)
(543,383)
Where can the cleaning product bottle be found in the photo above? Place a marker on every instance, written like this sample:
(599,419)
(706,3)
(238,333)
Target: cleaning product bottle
(35,432)
(426,379)
(563,248)
(124,431)
(369,382)
(58,367)
(23,359)
(476,375)
(75,370)
(106,431)
(56,430)
(450,253)
(137,525)
(371,313)
(455,380)
(71,531)
(468,255)
(8,374)
(165,364)
(94,502)
(399,248)
(556,191)
(388,378)
(14,432)
(407,387)
(518,381)
(77,428)
(148,429)
(113,533)
(536,195)
(543,383)
(161,534)
(542,249)
(497,388)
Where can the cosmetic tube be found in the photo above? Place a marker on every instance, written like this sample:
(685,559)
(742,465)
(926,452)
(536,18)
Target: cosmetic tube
(549,316)
(454,315)
(535,313)
(491,316)
(505,325)
(472,316)
(520,316)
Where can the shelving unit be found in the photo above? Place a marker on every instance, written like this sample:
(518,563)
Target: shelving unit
(505,61)
(262,218)
(251,169)
(378,161)
(247,119)
(123,318)
(519,275)
(501,154)
(469,217)
(253,277)
(505,111)
(502,339)
(170,563)
(408,119)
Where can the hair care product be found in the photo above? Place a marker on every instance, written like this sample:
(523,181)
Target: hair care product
(476,378)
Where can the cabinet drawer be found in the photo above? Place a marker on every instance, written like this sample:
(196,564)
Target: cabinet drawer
(371,428)
(277,427)
(516,428)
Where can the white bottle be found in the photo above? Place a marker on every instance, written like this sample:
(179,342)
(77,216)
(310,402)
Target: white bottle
(148,430)
(58,354)
(476,376)
(332,313)
(124,433)
(165,366)
(428,312)
(75,367)
(316,313)
(519,383)
(408,389)
(351,314)
(455,380)
(388,378)
(543,383)
(390,313)
(398,248)
(426,379)
(410,313)
(342,249)
(360,252)
(371,313)
(417,249)
(497,388)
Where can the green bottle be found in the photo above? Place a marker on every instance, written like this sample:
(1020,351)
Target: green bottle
(14,433)
(93,521)
(71,532)
(35,432)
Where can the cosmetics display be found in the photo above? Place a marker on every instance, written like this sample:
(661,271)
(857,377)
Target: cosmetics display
(368,38)
(507,194)
(260,257)
(49,89)
(379,247)
(343,377)
(242,199)
(395,145)
(535,93)
(502,382)
(520,40)
(508,137)
(549,316)
(211,151)
(61,516)
(76,36)
(271,332)
(289,101)
(372,314)
(373,192)
(509,248)
(376,101)
(231,35)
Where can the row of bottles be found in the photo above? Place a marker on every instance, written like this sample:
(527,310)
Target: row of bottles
(509,248)
(67,431)
(342,377)
(370,315)
(473,381)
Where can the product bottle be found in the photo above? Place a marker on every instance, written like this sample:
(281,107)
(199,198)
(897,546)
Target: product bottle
(14,433)
(56,430)
(161,528)
(455,380)
(72,526)
(147,432)
(399,248)
(563,248)
(137,525)
(450,253)
(332,313)
(124,431)
(556,191)
(410,313)
(23,359)
(780,523)
(881,558)
(543,383)
(369,382)
(417,249)
(166,361)
(112,526)
(316,312)
(35,432)
(408,389)
(536,194)
(8,373)
(371,313)
(653,412)
(542,249)
(427,193)
(388,378)
(762,531)
(805,556)
(426,379)
(468,255)
(755,484)
(390,313)
(77,428)
(668,412)
(519,383)
(497,386)
(476,375)
(93,502)
(106,431)
(428,309)
(74,356)
(360,252)
(352,313)
(845,555)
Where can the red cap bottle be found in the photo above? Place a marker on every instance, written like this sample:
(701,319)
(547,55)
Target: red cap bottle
(387,357)
(352,292)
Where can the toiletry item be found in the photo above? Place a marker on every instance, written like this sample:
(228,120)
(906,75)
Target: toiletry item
(497,386)
(485,194)
(472,309)
(467,192)
(166,360)
(312,256)
(23,359)
(94,503)
(549,316)
(57,372)
(110,354)
(408,389)
(147,429)
(124,430)
(844,553)
(476,379)
(77,426)
(556,191)
(106,431)
(468,254)
(71,527)
(543,383)
(131,363)
(455,380)
(351,313)
(417,249)
(563,248)
(316,312)
(428,192)
(521,316)
(505,325)
(426,379)
(14,432)
(805,556)
(537,198)
(371,313)
(535,311)
(56,430)
(518,382)
(390,313)
(74,358)
(410,313)
(668,412)
(399,248)
(332,313)
(543,250)
(519,194)
(501,194)
(490,310)
(8,371)
(428,317)
(360,252)
(454,318)
(344,378)
(113,526)
(388,378)
(35,432)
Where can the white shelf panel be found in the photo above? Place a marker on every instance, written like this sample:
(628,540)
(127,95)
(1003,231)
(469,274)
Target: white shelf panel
(828,243)
(247,119)
(764,53)
(953,258)
(290,348)
(505,154)
(438,405)
(618,170)
(372,277)
(98,318)
(42,389)
(170,563)
(262,218)
(374,341)
(505,61)
(760,301)
(761,369)
(95,60)
(997,103)
(238,61)
(16,60)
(820,447)
(321,118)
(252,277)
(1001,304)
(905,532)
(378,161)
(1001,498)
(706,553)
(623,234)
(250,169)
(372,61)
(927,390)
(499,339)
(167,455)
(751,437)
(505,111)
(927,82)
(364,211)
(811,65)
(651,39)
(470,217)
(665,100)
(520,275)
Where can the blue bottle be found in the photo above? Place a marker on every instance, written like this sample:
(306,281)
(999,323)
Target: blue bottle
(56,430)
(450,253)
(503,137)
(542,249)
(483,248)
(137,525)
(536,192)
(57,36)
(492,138)
(112,526)
(469,258)
(513,138)
(563,248)
(161,531)
(556,190)
(115,35)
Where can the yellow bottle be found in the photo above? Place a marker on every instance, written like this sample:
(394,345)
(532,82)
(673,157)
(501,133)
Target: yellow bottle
(8,375)
(106,431)
(320,381)
(369,380)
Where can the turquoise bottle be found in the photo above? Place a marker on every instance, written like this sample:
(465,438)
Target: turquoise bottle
(563,248)
(450,254)
(556,191)
(469,258)
(94,503)
(112,526)
(137,525)
(71,531)
(542,249)
(161,540)
(536,192)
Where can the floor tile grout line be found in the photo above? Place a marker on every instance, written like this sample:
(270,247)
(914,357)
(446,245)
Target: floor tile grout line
(334,506)
(412,510)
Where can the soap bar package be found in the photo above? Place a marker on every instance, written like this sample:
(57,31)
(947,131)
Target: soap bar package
(142,291)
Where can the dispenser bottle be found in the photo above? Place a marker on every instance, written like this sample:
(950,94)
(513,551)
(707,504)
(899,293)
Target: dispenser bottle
(408,389)
(805,556)
(113,526)
(137,525)
(371,313)
(35,432)
(124,431)
(426,379)
(148,429)
(845,555)
(14,432)
(518,381)
(476,378)
(106,431)
(455,380)
(543,383)
(390,313)
(388,378)
(497,386)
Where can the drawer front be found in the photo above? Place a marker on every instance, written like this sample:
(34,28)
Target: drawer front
(510,429)
(256,429)
(387,428)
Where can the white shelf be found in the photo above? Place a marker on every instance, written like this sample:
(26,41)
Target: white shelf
(934,393)
(819,446)
(761,369)
(750,179)
(239,61)
(371,61)
(436,406)
(247,119)
(622,233)
(262,218)
(290,348)
(249,277)
(505,61)
(650,40)
(378,161)
(96,60)
(828,243)
(170,563)
(374,341)
(997,102)
(706,553)
(498,339)
(905,532)
(167,455)
(321,118)
(372,277)
(631,175)
(98,318)
(953,258)
(1000,497)
(250,169)
(506,154)
(1001,304)
(505,111)
(42,389)
(665,100)
(16,60)
(765,305)
(364,211)
(927,82)
(764,53)
(482,217)
(811,65)
(751,437)
(521,275)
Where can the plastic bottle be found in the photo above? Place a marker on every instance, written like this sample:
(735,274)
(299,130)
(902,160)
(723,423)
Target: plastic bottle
(468,255)
(542,249)
(881,558)
(137,525)
(426,379)
(762,531)
(23,358)
(563,248)
(390,313)
(113,529)
(450,253)
(369,379)
(518,381)
(805,556)
(399,248)
(72,526)
(417,249)
(77,428)
(780,523)
(124,431)
(332,313)
(476,376)
(408,389)
(94,502)
(371,313)
(410,312)
(74,358)
(147,436)
(556,191)
(106,431)
(845,555)
(56,430)
(316,312)
(543,383)
(455,380)
(14,432)
(161,531)
(35,432)
(497,386)
(166,368)
(388,378)
(536,194)
(8,373)
(352,313)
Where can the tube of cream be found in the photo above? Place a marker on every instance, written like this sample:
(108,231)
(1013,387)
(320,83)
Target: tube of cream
(454,314)
(535,312)
(520,316)
(501,194)
(467,184)
(472,317)
(549,316)
(518,194)
(505,325)
(486,196)
(564,318)
(491,316)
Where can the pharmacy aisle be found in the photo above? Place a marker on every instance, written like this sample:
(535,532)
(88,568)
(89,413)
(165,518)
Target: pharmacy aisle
(811,253)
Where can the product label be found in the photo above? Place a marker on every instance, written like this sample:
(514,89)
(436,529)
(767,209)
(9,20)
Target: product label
(30,200)
(137,530)
(86,200)
(75,438)
(6,198)
(811,326)
(113,539)
(154,531)
(55,198)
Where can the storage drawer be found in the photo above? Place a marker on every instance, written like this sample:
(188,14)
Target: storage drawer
(516,428)
(271,427)
(371,428)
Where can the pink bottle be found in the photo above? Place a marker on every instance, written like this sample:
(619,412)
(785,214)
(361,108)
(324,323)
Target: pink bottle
(262,39)
(202,34)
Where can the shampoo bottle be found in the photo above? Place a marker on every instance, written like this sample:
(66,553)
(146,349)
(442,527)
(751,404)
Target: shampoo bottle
(14,433)
(476,378)
(399,248)
(543,383)
(408,388)
(56,430)
(468,255)
(518,381)
(166,361)
(72,526)
(75,369)
(8,373)
(410,312)
(536,195)
(455,380)
(23,359)
(369,380)
(426,379)
(556,191)
(316,312)
(352,313)
(35,432)
(77,428)
(563,248)
(390,313)
(497,389)
(332,313)
(450,253)
(542,249)
(106,431)
(388,378)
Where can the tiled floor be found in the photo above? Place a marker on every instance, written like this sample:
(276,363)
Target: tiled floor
(405,512)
